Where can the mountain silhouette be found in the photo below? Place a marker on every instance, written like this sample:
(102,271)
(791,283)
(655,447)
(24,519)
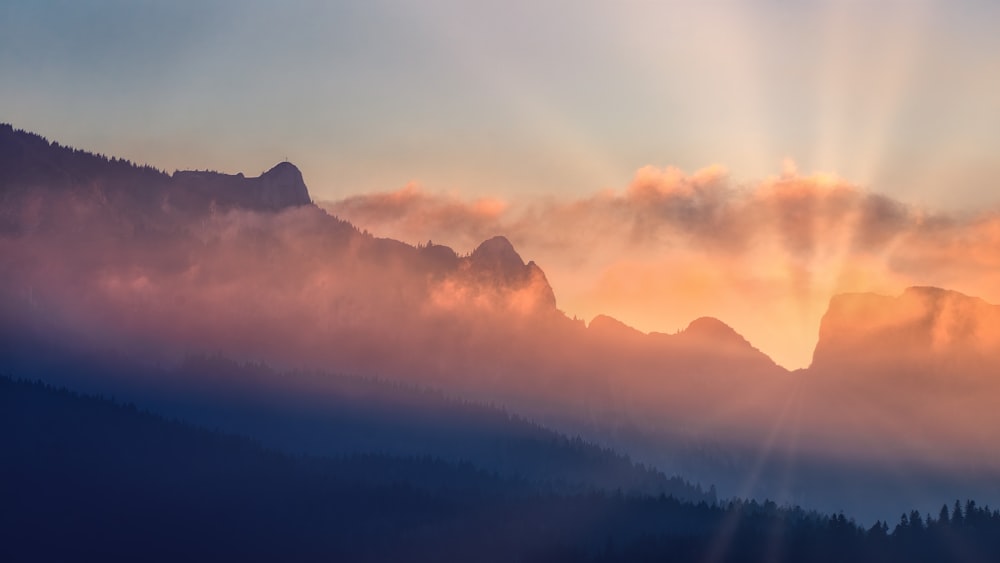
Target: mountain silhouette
(497,254)
(99,253)
(495,263)
(279,188)
(45,185)
(202,261)
(608,327)
(714,331)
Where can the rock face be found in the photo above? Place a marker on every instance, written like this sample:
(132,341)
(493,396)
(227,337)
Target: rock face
(282,186)
(497,256)
(926,329)
(496,263)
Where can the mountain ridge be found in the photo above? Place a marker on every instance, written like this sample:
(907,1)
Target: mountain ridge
(922,329)
(33,171)
(118,257)
(29,163)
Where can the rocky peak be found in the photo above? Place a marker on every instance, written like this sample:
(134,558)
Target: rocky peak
(916,329)
(714,329)
(497,254)
(610,326)
(279,188)
(496,259)
(496,264)
(282,186)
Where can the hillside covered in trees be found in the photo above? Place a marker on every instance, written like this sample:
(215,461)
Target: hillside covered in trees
(88,477)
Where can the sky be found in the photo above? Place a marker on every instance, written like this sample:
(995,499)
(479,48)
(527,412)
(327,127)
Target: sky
(524,105)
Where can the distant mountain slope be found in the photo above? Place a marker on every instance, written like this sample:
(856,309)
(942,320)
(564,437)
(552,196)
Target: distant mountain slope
(87,478)
(348,415)
(110,481)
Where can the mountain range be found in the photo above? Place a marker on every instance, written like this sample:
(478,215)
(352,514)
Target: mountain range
(99,253)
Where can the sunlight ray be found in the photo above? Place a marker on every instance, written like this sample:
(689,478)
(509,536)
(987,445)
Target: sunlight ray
(724,535)
(493,64)
(891,69)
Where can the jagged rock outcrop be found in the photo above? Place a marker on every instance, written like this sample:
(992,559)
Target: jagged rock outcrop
(498,256)
(495,263)
(279,188)
(282,186)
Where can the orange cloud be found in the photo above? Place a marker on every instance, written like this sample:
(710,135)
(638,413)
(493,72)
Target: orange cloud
(411,208)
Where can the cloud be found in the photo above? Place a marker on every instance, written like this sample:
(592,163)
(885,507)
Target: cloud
(669,246)
(411,208)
